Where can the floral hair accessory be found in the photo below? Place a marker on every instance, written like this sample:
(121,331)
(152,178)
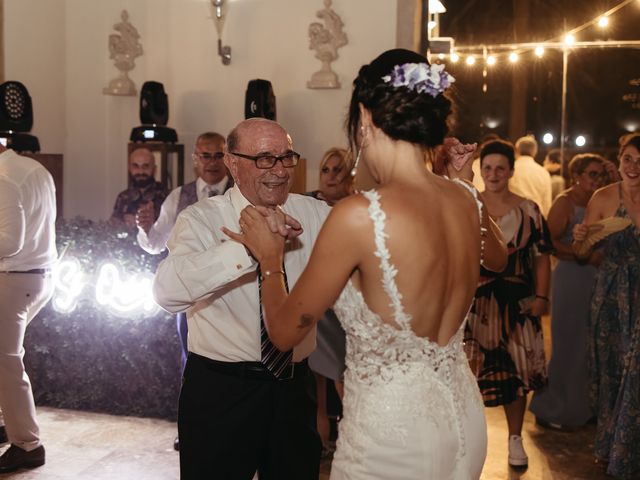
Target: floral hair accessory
(420,77)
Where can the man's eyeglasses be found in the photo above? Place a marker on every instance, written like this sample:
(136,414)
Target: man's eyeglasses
(289,159)
(207,157)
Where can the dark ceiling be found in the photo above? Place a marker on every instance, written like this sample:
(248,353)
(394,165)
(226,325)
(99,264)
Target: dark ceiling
(597,79)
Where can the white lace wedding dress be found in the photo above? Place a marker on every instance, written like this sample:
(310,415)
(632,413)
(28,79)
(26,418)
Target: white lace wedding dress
(412,408)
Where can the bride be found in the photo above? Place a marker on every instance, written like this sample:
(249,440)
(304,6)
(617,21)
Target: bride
(401,264)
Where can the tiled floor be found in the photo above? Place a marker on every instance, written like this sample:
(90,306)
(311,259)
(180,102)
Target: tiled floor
(89,446)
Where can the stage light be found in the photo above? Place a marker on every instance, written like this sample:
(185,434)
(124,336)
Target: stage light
(581,141)
(539,51)
(547,138)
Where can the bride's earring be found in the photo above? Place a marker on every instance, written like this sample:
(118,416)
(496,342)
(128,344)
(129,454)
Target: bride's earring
(354,170)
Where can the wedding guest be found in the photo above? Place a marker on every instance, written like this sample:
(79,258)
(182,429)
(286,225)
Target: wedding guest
(614,316)
(244,406)
(503,337)
(565,400)
(143,188)
(530,180)
(553,164)
(27,253)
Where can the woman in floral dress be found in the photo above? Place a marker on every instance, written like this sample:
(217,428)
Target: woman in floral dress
(503,337)
(614,319)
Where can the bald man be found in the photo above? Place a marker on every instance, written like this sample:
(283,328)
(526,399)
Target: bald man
(143,189)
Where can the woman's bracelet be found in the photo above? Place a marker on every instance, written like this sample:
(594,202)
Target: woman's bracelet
(267,273)
(542,297)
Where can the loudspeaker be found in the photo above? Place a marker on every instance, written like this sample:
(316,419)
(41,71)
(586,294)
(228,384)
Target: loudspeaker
(154,106)
(16,118)
(260,100)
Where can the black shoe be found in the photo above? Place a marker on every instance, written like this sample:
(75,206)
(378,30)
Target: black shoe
(15,458)
(176,444)
(3,435)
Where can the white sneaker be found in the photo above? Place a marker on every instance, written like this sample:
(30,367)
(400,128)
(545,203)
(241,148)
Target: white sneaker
(517,455)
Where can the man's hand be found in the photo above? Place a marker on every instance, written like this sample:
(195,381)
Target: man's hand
(145,216)
(281,222)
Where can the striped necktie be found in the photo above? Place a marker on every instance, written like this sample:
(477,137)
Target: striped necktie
(277,362)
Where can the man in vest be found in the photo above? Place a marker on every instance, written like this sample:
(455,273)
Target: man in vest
(212,179)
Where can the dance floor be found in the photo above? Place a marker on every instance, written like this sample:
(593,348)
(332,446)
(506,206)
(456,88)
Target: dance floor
(90,446)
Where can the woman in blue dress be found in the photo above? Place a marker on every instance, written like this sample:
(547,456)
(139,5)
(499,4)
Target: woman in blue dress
(564,402)
(614,319)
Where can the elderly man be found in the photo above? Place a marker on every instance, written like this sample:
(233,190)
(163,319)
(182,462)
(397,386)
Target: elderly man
(212,179)
(244,406)
(143,188)
(531,180)
(27,252)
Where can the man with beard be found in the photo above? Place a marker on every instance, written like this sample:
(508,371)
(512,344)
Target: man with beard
(212,179)
(143,188)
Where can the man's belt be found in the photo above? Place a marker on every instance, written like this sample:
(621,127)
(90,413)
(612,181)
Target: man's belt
(255,370)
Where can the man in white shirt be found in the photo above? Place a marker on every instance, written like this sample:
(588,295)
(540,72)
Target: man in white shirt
(531,180)
(212,179)
(237,415)
(27,253)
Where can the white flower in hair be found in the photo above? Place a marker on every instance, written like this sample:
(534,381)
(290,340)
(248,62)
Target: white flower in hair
(420,77)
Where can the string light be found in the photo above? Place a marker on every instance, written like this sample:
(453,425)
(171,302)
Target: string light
(491,60)
(470,60)
(455,57)
(568,40)
(513,57)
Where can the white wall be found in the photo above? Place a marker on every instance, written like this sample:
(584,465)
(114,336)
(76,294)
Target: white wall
(64,61)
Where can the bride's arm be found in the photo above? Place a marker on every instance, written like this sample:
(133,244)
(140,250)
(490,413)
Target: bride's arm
(335,255)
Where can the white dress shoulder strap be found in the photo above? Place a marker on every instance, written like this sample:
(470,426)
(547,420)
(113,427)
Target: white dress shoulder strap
(389,272)
(474,192)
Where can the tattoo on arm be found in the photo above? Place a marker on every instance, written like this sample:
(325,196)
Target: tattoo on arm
(305,321)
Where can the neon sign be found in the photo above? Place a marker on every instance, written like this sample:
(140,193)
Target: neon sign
(121,293)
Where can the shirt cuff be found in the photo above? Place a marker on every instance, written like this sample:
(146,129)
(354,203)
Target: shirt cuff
(235,257)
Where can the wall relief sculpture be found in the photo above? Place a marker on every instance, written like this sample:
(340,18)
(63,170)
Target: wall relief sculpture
(124,47)
(325,40)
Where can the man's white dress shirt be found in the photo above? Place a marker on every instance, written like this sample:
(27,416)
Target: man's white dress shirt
(27,214)
(532,181)
(215,278)
(155,241)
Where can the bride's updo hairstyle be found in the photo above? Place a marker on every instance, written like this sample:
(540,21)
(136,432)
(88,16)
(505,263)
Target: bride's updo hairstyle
(401,112)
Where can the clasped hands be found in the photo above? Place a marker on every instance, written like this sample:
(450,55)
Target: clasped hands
(264,231)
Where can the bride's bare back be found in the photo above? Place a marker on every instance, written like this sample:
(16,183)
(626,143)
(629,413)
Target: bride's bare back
(433,230)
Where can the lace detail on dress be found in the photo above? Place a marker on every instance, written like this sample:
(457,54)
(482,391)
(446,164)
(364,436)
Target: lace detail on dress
(389,272)
(393,376)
